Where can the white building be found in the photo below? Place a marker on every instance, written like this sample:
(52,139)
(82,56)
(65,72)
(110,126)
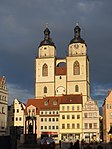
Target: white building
(16,114)
(91,121)
(3,105)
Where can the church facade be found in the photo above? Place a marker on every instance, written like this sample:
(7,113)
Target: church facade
(69,75)
(62,90)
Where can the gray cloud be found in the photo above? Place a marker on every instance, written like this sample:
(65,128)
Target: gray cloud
(21,30)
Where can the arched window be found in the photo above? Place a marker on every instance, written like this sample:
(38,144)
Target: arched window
(76,68)
(45,70)
(76,88)
(45,89)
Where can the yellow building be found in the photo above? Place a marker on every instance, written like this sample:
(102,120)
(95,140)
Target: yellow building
(69,75)
(70,118)
(107,117)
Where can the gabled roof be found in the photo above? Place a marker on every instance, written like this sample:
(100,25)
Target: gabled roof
(53,103)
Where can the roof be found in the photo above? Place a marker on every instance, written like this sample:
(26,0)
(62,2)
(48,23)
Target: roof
(47,40)
(60,70)
(53,103)
(77,38)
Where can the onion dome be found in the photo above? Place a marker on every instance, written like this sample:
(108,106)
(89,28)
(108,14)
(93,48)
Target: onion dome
(77,38)
(47,40)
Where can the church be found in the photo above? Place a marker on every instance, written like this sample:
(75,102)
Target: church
(62,107)
(69,75)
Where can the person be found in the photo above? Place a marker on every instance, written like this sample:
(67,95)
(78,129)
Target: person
(82,143)
(71,146)
(76,145)
(60,143)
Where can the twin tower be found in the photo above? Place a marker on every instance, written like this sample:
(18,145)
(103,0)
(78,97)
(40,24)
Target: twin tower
(69,75)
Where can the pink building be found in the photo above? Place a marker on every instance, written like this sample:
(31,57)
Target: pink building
(107,116)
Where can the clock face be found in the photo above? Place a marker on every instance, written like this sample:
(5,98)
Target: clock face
(76,46)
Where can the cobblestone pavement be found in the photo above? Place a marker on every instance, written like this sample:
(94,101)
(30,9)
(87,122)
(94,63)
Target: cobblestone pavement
(66,146)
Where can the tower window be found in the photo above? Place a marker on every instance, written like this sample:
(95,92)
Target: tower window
(45,70)
(45,89)
(76,88)
(76,68)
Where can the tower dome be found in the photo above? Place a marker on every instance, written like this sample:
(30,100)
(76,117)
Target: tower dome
(47,40)
(77,38)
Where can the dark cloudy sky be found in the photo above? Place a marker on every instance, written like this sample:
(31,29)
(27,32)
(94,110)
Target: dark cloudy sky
(21,30)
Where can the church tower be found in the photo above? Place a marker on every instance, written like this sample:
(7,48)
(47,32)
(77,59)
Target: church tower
(78,66)
(45,67)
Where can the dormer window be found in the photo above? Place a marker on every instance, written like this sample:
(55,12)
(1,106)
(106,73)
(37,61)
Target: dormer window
(45,103)
(55,102)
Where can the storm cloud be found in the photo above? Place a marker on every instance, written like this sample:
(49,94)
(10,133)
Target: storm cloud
(21,30)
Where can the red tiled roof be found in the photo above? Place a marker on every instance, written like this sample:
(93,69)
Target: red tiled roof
(71,99)
(60,70)
(64,99)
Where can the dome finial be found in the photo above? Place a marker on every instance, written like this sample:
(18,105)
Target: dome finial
(46,25)
(77,24)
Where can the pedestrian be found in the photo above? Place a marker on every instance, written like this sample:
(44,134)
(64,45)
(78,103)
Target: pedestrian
(71,146)
(76,145)
(60,143)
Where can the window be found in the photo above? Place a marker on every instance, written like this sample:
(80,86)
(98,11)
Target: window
(41,112)
(67,108)
(45,119)
(68,126)
(63,116)
(53,127)
(78,108)
(49,119)
(53,119)
(63,126)
(49,127)
(45,70)
(78,125)
(110,106)
(53,112)
(90,125)
(45,127)
(20,119)
(73,126)
(76,68)
(45,89)
(57,119)
(41,119)
(95,125)
(76,88)
(3,110)
(85,115)
(68,116)
(55,102)
(86,125)
(73,116)
(56,112)
(56,127)
(49,112)
(78,116)
(41,127)
(16,118)
(73,108)
(17,110)
(63,108)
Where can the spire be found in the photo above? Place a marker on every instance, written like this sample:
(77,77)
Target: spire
(47,40)
(77,38)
